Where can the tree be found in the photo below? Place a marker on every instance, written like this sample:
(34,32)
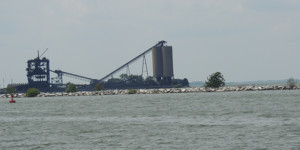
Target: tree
(136,79)
(10,90)
(185,82)
(149,81)
(215,80)
(113,82)
(124,77)
(32,92)
(98,87)
(291,82)
(181,83)
(71,88)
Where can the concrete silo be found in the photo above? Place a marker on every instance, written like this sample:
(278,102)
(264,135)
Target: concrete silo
(167,57)
(157,61)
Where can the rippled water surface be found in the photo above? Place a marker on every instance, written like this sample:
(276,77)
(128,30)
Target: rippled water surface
(233,120)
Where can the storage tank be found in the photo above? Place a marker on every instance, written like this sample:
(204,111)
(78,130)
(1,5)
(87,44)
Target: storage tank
(157,62)
(167,56)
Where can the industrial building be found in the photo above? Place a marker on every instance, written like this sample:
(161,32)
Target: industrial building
(162,60)
(38,71)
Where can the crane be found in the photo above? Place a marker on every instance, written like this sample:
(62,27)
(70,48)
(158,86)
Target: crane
(159,44)
(61,73)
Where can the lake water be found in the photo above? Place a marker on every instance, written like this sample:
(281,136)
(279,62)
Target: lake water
(230,120)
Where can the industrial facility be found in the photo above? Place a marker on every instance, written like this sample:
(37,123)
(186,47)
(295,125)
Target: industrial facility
(162,59)
(38,73)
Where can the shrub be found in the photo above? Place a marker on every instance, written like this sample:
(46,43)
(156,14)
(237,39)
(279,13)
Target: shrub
(10,90)
(32,92)
(98,87)
(181,82)
(291,82)
(71,88)
(132,91)
(177,86)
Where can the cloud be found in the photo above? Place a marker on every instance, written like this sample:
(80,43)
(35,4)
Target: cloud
(74,9)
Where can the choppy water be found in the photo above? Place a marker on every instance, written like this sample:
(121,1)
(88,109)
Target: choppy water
(233,120)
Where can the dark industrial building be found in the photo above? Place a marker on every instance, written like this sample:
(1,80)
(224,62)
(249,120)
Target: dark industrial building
(162,59)
(38,73)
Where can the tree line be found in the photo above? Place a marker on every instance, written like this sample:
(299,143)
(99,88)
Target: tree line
(136,81)
(217,80)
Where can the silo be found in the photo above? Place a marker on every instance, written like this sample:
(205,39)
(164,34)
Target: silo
(157,62)
(167,56)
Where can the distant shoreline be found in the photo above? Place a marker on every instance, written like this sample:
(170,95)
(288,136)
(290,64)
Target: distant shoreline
(160,91)
(248,83)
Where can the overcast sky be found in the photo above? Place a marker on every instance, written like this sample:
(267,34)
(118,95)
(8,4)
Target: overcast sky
(246,40)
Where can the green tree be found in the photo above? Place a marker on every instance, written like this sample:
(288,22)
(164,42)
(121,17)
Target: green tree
(124,77)
(136,79)
(150,81)
(10,90)
(71,88)
(215,80)
(181,83)
(98,87)
(291,82)
(113,82)
(185,82)
(177,86)
(32,92)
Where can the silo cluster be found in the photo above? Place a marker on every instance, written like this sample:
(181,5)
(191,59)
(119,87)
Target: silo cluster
(162,59)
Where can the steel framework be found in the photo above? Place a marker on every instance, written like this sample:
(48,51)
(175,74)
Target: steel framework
(63,73)
(38,72)
(159,44)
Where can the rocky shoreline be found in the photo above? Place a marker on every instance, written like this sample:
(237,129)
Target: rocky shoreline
(160,91)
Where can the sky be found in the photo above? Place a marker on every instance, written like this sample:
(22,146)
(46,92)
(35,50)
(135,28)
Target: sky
(245,40)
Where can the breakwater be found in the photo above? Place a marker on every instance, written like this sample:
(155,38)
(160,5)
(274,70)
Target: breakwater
(159,91)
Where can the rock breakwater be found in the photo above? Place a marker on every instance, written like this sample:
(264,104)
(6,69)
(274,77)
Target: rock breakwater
(160,91)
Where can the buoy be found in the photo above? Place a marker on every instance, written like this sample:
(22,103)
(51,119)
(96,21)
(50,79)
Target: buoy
(12,99)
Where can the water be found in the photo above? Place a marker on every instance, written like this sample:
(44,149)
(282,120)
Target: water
(233,120)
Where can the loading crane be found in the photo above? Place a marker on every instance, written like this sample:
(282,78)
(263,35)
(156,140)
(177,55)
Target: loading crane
(38,72)
(159,44)
(60,73)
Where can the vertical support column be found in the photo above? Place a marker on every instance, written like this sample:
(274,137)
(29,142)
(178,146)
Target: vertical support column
(157,62)
(144,64)
(60,78)
(48,71)
(128,70)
